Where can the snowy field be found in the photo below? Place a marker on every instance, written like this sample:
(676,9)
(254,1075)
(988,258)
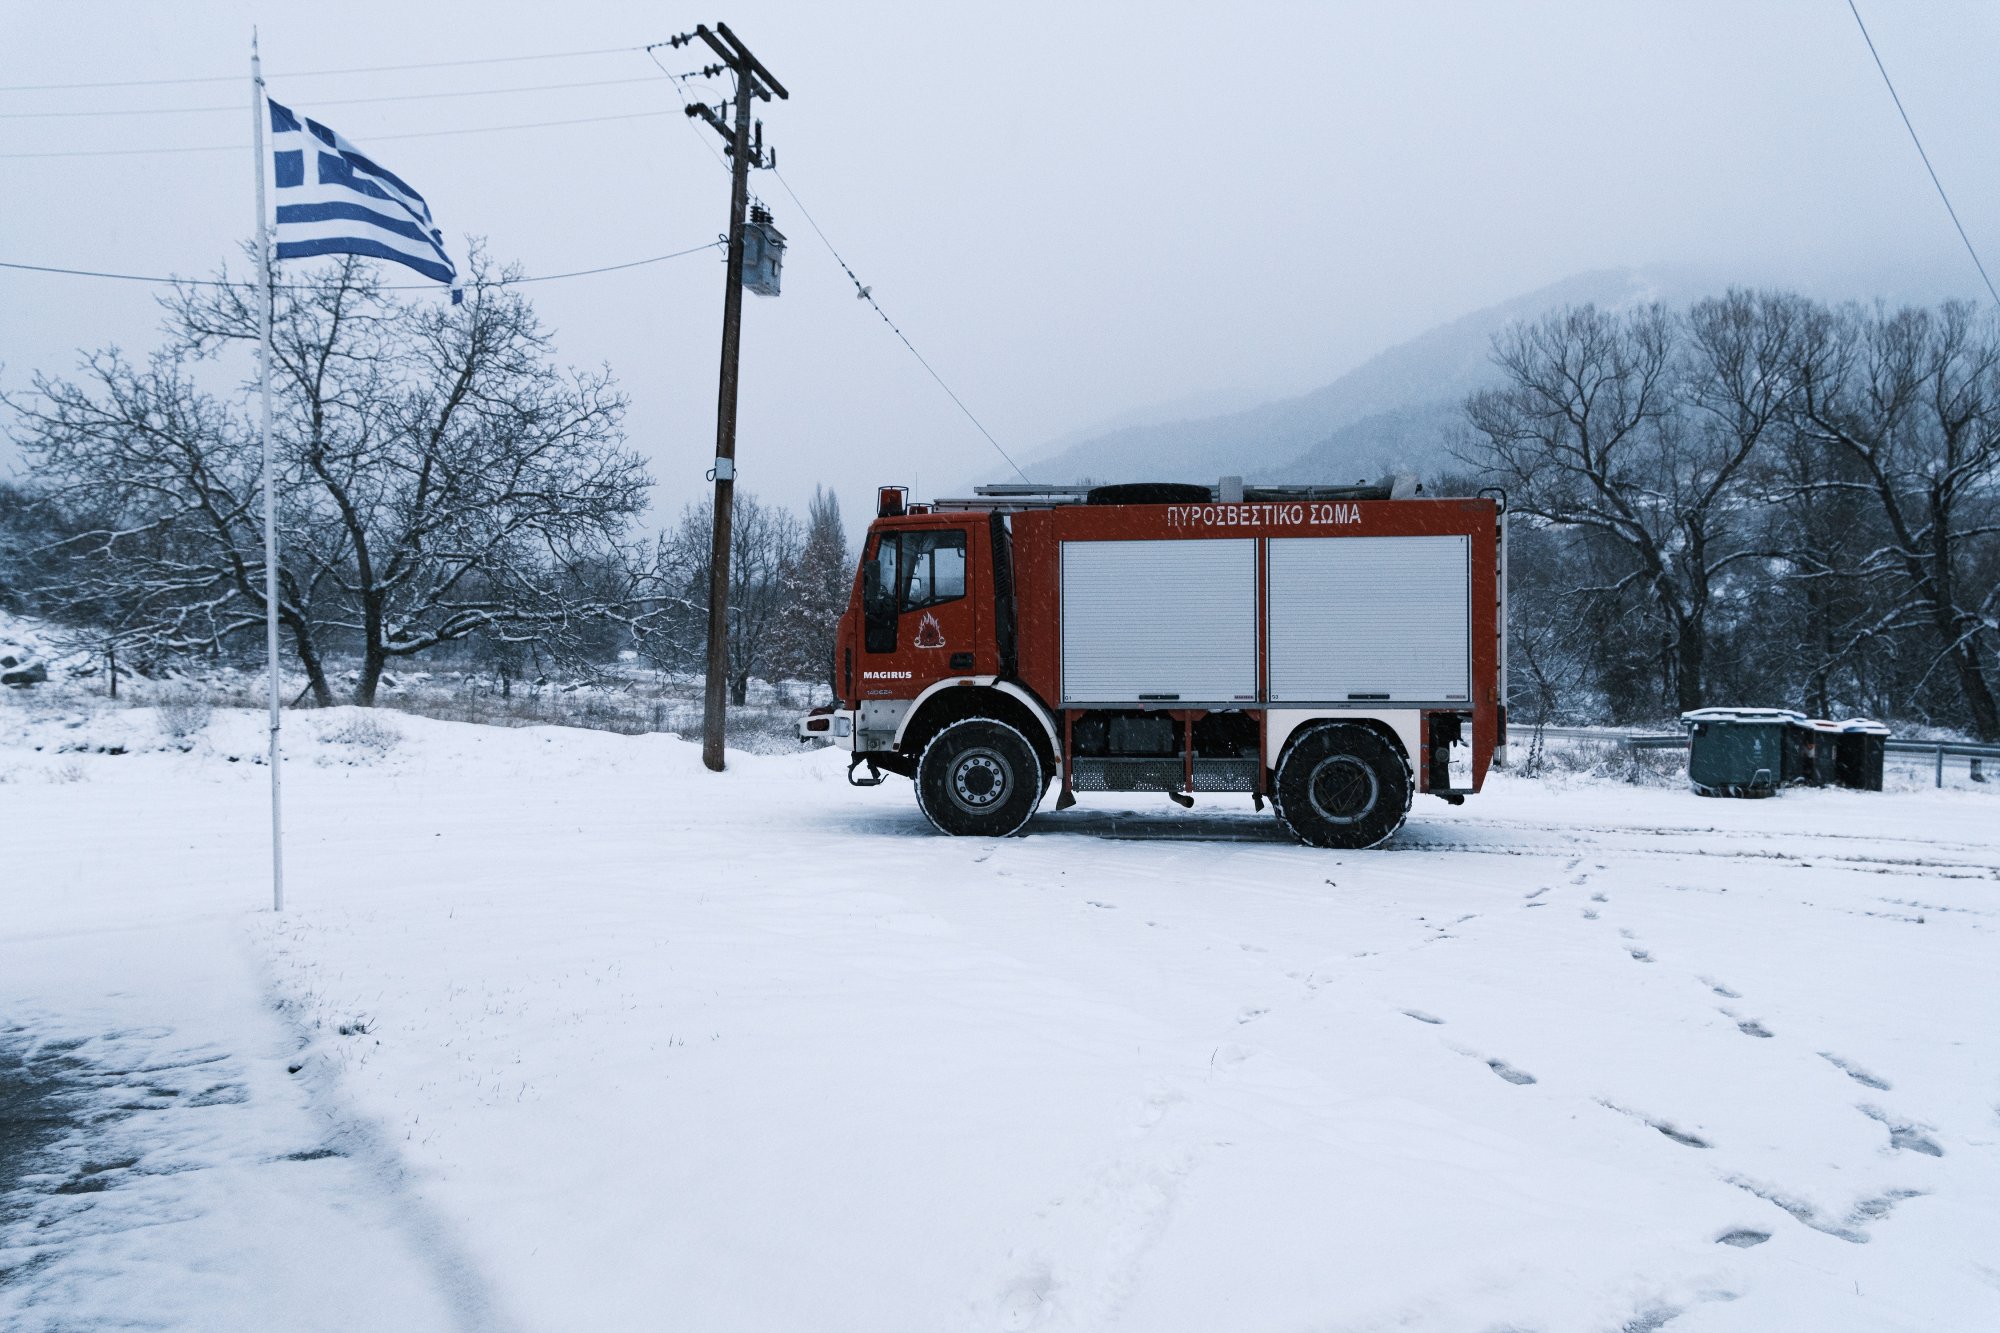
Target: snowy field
(562,1032)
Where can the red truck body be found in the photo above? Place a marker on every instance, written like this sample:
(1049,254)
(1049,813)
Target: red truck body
(1331,649)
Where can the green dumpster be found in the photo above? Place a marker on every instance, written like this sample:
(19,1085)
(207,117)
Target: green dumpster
(1741,751)
(1818,753)
(1859,756)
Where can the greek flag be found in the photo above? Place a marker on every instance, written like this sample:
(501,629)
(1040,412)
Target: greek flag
(333,199)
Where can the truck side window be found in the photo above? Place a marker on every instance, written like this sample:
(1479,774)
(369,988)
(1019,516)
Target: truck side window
(935,562)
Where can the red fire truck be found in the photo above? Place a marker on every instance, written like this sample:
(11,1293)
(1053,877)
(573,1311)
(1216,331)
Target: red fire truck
(1333,650)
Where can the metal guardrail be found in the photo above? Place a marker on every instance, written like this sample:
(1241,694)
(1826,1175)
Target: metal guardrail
(1975,754)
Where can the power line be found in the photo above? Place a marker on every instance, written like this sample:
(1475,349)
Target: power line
(1890,84)
(863,292)
(319,73)
(680,91)
(371,138)
(387,287)
(867,294)
(860,290)
(235,109)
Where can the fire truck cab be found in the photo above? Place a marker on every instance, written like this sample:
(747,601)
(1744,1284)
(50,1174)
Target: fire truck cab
(1333,650)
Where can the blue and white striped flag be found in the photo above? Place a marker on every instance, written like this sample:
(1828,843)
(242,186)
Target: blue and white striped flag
(333,199)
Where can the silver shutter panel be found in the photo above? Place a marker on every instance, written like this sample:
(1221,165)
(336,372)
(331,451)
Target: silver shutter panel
(1155,621)
(1354,617)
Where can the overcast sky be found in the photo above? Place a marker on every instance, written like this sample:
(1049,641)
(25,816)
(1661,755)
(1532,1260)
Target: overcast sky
(1074,210)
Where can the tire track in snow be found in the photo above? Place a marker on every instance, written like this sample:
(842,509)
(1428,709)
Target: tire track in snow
(457,1276)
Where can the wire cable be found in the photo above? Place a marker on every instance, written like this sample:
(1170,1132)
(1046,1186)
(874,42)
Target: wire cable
(371,138)
(680,90)
(234,109)
(387,287)
(860,290)
(319,73)
(867,294)
(1890,84)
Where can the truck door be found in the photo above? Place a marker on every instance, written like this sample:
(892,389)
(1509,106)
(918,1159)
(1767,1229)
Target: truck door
(918,624)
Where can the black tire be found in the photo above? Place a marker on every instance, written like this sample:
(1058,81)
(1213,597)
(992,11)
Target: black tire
(1341,785)
(979,778)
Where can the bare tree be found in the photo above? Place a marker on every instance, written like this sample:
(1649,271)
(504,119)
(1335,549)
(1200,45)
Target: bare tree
(814,593)
(765,541)
(438,476)
(1912,400)
(1637,429)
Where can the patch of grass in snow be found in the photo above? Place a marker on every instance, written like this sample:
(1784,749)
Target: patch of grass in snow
(620,697)
(1608,761)
(365,732)
(183,712)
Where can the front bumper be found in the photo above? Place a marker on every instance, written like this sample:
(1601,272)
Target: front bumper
(833,725)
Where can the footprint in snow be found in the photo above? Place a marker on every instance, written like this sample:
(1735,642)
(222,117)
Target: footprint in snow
(1743,1238)
(1642,956)
(1024,1301)
(1855,1072)
(1251,1015)
(1680,1136)
(1651,1319)
(1666,1127)
(1750,1027)
(1422,1017)
(1903,1135)
(1809,1214)
(1508,1072)
(1590,914)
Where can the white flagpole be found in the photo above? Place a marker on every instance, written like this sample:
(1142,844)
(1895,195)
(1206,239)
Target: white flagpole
(264,296)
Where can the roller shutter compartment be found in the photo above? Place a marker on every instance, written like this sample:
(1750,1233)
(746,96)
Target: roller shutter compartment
(1159,622)
(1358,620)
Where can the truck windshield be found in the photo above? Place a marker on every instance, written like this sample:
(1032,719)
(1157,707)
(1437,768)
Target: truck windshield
(935,562)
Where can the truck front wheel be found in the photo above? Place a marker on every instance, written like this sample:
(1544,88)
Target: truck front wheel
(1340,785)
(979,778)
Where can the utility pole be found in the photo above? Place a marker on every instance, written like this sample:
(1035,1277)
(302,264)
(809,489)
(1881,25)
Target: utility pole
(752,81)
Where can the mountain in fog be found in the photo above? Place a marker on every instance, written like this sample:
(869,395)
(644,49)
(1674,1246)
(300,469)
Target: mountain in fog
(1394,412)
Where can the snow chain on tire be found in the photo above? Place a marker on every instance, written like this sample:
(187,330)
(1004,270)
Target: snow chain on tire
(980,777)
(1342,785)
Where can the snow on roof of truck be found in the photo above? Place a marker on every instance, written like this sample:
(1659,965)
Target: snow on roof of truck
(1228,490)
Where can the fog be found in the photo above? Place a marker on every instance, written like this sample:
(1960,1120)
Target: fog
(1077,214)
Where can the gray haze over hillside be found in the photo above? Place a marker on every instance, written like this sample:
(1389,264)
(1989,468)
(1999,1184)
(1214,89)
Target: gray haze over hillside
(1059,204)
(1395,412)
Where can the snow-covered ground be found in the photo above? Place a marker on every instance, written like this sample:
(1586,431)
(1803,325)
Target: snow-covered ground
(563,1032)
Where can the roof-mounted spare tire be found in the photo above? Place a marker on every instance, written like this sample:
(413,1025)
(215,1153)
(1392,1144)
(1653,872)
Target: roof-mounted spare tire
(1150,493)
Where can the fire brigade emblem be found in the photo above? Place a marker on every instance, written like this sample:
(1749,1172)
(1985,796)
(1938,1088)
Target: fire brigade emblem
(930,634)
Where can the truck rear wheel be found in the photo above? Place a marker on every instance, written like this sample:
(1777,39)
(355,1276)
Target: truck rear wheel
(979,778)
(1340,785)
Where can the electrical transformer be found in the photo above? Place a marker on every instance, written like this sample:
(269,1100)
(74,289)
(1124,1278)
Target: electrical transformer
(763,253)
